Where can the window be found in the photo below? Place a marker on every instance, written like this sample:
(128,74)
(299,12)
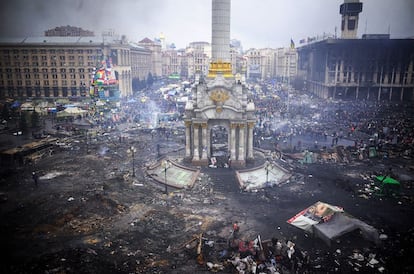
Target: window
(46,82)
(351,24)
(73,82)
(55,91)
(64,82)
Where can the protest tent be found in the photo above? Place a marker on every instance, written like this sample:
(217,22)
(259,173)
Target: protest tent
(388,185)
(71,111)
(329,222)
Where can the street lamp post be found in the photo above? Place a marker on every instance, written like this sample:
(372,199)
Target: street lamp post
(132,151)
(267,167)
(166,165)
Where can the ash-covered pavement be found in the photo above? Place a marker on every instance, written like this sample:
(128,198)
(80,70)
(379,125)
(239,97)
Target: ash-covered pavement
(89,214)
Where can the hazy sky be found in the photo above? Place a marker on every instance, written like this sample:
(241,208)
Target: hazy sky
(256,23)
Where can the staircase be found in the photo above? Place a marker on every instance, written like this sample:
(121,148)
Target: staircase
(224,180)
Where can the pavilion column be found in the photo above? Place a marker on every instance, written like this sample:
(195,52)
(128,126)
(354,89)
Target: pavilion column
(196,140)
(204,145)
(187,139)
(233,128)
(242,142)
(250,140)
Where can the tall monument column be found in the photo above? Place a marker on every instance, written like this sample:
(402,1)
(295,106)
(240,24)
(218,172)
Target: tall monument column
(221,30)
(220,41)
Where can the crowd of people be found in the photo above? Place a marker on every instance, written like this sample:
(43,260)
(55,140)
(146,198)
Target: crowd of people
(320,121)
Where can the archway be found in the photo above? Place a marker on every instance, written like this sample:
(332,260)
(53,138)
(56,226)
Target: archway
(219,144)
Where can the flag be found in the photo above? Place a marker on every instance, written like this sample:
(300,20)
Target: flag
(292,44)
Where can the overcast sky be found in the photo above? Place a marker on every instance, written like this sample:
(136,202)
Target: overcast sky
(256,23)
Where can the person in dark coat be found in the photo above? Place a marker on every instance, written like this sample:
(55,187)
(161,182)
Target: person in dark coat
(35,178)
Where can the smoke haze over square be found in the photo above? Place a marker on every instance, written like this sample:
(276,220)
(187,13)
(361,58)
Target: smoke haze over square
(259,24)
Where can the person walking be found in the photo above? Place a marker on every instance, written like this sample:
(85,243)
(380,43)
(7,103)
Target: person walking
(35,178)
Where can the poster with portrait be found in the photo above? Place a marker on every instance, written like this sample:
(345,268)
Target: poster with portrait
(317,213)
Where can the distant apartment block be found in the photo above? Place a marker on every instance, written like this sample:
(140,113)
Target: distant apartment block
(68,31)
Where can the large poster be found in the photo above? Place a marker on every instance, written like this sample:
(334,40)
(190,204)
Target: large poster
(315,214)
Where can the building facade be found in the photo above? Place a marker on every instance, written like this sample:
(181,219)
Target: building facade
(371,69)
(156,55)
(198,56)
(141,62)
(286,64)
(68,31)
(37,67)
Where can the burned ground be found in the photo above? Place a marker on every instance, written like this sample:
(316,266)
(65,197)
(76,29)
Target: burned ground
(89,215)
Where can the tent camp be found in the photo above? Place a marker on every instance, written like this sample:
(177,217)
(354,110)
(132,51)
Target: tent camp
(71,111)
(329,222)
